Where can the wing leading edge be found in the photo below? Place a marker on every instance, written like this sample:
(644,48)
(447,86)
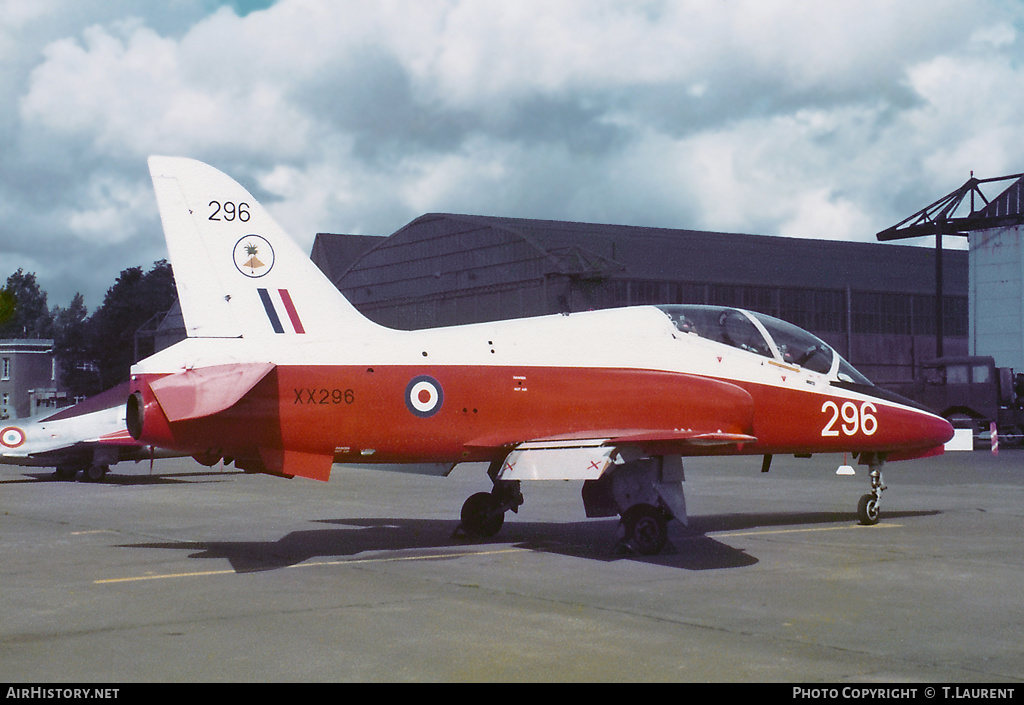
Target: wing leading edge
(588,456)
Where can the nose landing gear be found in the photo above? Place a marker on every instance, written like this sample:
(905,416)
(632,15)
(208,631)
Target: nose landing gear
(868,509)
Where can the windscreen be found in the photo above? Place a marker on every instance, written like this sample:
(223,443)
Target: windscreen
(734,327)
(797,346)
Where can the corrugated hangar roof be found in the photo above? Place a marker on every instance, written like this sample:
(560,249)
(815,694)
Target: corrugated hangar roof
(623,251)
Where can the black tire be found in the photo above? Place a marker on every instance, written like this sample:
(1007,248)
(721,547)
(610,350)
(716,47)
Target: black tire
(95,473)
(65,473)
(646,529)
(867,510)
(482,515)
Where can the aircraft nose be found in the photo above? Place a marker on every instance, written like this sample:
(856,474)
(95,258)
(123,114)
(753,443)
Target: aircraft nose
(916,426)
(927,428)
(938,429)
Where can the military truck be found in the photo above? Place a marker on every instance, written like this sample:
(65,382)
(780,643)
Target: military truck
(971,392)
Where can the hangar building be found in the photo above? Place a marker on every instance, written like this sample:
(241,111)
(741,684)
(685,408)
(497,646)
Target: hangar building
(875,303)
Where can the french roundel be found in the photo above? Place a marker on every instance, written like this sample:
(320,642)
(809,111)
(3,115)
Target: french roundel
(12,436)
(423,396)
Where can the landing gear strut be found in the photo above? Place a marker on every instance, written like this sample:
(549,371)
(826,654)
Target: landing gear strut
(868,508)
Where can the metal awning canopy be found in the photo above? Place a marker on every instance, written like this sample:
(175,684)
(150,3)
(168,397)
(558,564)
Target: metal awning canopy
(947,215)
(958,213)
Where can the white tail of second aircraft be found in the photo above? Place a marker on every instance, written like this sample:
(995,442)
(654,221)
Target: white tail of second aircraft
(238,274)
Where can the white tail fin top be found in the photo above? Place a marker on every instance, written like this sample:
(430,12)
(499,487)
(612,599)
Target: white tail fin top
(238,274)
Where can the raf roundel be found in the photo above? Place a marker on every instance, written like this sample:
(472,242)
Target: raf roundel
(254,257)
(423,396)
(12,437)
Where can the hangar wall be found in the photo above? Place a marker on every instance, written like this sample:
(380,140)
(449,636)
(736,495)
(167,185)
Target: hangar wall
(996,280)
(873,302)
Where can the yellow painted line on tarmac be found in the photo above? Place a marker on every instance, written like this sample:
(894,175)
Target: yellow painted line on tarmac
(765,532)
(316,564)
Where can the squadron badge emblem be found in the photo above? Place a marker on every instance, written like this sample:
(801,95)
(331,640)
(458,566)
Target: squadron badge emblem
(254,256)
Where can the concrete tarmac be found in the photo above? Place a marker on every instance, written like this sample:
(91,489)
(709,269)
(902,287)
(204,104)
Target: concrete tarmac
(190,574)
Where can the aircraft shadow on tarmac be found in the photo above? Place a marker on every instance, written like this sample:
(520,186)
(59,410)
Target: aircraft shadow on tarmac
(691,548)
(112,479)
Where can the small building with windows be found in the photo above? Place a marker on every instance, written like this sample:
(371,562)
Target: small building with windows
(28,378)
(874,303)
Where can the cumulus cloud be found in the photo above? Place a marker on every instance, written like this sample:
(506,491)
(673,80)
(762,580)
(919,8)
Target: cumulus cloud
(795,118)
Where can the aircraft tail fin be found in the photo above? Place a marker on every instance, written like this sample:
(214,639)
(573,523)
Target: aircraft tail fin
(238,274)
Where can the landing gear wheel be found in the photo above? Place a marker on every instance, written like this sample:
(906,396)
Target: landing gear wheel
(867,510)
(646,529)
(65,473)
(95,473)
(482,515)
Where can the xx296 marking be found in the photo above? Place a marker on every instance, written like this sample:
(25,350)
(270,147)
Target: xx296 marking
(852,419)
(324,396)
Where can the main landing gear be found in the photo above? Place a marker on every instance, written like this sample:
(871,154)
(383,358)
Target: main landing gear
(647,493)
(868,507)
(483,514)
(90,473)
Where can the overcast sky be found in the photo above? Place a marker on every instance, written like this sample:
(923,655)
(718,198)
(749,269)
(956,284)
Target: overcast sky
(799,118)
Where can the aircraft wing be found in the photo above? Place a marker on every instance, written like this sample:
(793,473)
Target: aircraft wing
(117,438)
(585,456)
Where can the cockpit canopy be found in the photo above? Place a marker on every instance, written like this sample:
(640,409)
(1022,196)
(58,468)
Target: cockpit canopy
(763,335)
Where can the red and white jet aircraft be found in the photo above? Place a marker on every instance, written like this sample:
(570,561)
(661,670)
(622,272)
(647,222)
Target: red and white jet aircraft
(282,375)
(89,436)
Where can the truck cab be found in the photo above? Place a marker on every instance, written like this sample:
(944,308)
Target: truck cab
(961,387)
(971,392)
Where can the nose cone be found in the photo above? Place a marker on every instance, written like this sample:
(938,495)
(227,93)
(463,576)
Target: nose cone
(921,432)
(937,429)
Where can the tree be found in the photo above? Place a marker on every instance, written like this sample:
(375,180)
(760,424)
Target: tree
(95,352)
(7,305)
(23,309)
(71,344)
(132,301)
